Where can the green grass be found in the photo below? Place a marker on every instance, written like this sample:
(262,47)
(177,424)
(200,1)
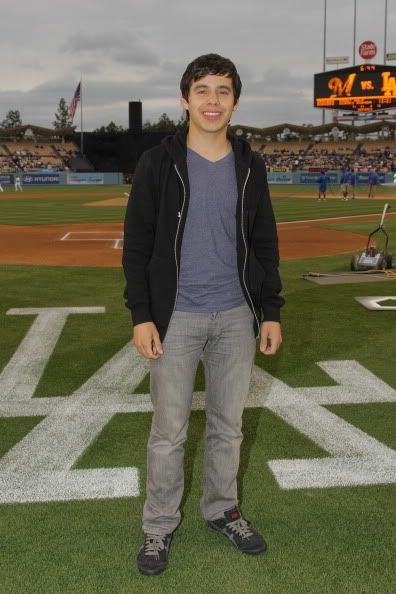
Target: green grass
(337,540)
(62,205)
(333,190)
(58,208)
(288,208)
(292,209)
(321,541)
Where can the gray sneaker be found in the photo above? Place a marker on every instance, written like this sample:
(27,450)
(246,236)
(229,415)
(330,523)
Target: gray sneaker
(234,527)
(152,557)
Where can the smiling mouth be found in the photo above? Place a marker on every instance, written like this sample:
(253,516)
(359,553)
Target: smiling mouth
(212,114)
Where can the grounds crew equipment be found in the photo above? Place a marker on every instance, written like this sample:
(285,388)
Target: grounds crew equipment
(372,258)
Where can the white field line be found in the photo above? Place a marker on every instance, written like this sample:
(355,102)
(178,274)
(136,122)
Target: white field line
(333,219)
(117,241)
(41,466)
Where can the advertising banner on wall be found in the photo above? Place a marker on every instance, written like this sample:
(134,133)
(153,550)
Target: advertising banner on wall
(362,178)
(84,178)
(40,179)
(279,177)
(307,177)
(6,178)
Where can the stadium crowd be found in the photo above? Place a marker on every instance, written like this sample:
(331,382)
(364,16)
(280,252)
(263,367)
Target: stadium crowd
(295,156)
(315,157)
(28,157)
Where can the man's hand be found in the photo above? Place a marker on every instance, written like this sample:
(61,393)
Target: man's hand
(270,338)
(147,341)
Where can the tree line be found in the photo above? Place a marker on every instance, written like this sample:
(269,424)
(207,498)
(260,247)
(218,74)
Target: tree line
(62,119)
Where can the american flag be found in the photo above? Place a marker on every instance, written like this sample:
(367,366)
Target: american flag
(74,102)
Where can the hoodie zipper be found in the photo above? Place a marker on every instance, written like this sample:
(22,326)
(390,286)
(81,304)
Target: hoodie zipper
(244,264)
(179,214)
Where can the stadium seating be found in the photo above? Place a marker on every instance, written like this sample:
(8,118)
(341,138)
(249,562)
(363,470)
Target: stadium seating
(331,155)
(286,148)
(28,156)
(336,147)
(375,146)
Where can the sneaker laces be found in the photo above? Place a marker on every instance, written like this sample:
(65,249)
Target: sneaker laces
(153,545)
(241,528)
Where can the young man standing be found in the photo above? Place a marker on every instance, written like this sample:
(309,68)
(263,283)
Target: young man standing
(201,264)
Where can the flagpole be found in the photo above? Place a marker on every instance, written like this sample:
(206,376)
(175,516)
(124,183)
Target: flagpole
(81,116)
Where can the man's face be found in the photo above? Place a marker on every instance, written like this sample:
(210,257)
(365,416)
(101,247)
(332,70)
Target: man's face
(210,103)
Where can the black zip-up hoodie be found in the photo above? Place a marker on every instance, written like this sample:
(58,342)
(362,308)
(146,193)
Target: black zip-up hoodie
(154,225)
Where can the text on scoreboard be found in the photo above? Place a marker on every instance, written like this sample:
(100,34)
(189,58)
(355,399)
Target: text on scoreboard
(367,87)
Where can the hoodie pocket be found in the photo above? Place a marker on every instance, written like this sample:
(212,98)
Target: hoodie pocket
(256,278)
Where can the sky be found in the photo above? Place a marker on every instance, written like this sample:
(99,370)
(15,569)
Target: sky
(128,50)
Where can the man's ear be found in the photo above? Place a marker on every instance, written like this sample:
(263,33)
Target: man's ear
(235,106)
(183,102)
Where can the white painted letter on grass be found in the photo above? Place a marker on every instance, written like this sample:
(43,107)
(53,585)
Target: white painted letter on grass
(40,467)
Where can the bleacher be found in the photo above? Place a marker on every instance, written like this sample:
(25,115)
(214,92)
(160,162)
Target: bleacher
(341,147)
(65,148)
(27,156)
(376,146)
(334,155)
(28,147)
(286,148)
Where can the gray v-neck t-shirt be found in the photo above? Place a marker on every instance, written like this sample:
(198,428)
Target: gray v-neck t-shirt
(208,276)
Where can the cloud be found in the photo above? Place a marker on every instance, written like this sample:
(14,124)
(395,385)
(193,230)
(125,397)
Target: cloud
(123,47)
(278,84)
(273,98)
(89,67)
(139,50)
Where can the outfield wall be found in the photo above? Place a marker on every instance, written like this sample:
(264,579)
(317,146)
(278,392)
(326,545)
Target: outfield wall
(67,178)
(63,178)
(310,177)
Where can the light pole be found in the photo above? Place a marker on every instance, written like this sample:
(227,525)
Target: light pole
(385,28)
(324,51)
(354,33)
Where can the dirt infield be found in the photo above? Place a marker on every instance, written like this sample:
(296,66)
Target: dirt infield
(43,244)
(100,244)
(109,202)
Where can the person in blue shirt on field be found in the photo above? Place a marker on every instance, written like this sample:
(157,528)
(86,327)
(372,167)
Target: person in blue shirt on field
(372,181)
(344,184)
(322,182)
(352,183)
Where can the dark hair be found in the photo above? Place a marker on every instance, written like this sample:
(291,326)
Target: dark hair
(210,64)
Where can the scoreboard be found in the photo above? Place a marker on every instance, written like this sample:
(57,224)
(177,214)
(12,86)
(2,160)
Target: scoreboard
(367,87)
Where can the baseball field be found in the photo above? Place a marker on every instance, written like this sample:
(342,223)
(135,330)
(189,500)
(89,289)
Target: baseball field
(318,460)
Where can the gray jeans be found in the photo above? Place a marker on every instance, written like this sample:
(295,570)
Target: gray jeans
(226,340)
